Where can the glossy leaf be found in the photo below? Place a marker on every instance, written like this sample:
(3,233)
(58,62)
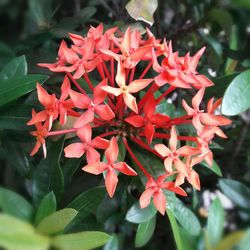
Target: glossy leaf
(15,68)
(13,88)
(46,207)
(57,221)
(215,222)
(113,243)
(184,216)
(142,10)
(236,191)
(245,241)
(14,204)
(48,174)
(18,235)
(175,230)
(80,241)
(144,232)
(236,99)
(138,215)
(215,167)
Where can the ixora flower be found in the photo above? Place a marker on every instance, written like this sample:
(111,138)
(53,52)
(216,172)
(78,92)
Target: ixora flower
(113,88)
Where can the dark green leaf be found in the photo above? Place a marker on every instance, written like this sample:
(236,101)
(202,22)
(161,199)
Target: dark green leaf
(236,99)
(18,235)
(48,175)
(14,204)
(86,202)
(69,168)
(144,232)
(184,216)
(166,109)
(138,215)
(46,207)
(15,118)
(80,241)
(13,88)
(15,68)
(215,222)
(215,167)
(236,191)
(6,54)
(57,221)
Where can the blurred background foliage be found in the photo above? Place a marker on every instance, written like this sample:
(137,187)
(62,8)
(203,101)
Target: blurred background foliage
(218,217)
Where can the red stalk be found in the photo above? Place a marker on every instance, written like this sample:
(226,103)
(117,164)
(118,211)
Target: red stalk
(106,71)
(101,72)
(151,90)
(61,132)
(168,91)
(132,73)
(85,75)
(146,70)
(75,83)
(147,174)
(179,137)
(109,133)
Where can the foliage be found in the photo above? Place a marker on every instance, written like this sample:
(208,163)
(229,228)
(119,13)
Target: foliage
(35,191)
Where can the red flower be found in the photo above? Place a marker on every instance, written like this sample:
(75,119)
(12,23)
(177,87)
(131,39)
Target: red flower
(76,150)
(40,134)
(111,179)
(93,106)
(154,188)
(150,120)
(126,90)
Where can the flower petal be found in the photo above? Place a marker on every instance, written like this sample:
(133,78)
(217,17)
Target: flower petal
(85,133)
(146,197)
(105,112)
(111,90)
(173,139)
(74,150)
(162,149)
(81,101)
(124,168)
(135,120)
(138,85)
(95,168)
(130,101)
(160,201)
(92,155)
(111,153)
(84,119)
(111,181)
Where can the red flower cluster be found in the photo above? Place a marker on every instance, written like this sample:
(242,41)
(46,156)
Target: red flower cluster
(124,105)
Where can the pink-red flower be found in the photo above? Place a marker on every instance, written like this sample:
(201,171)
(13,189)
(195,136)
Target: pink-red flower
(155,189)
(111,166)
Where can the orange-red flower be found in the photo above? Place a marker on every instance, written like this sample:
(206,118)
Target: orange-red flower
(110,166)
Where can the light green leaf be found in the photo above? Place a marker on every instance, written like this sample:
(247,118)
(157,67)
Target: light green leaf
(142,10)
(18,235)
(113,243)
(80,241)
(13,88)
(236,191)
(15,68)
(138,215)
(14,204)
(46,207)
(236,99)
(245,241)
(184,216)
(48,174)
(175,230)
(215,222)
(230,240)
(144,232)
(57,221)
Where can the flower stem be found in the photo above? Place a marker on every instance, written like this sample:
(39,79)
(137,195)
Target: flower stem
(75,83)
(62,132)
(86,77)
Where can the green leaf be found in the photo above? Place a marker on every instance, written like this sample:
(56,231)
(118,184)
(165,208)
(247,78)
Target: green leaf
(69,168)
(236,191)
(245,241)
(138,215)
(215,167)
(236,99)
(16,67)
(223,18)
(13,88)
(46,207)
(80,241)
(142,10)
(175,230)
(113,243)
(166,109)
(184,215)
(18,235)
(230,240)
(14,204)
(57,221)
(215,222)
(48,175)
(144,232)
(6,54)
(87,201)
(15,117)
